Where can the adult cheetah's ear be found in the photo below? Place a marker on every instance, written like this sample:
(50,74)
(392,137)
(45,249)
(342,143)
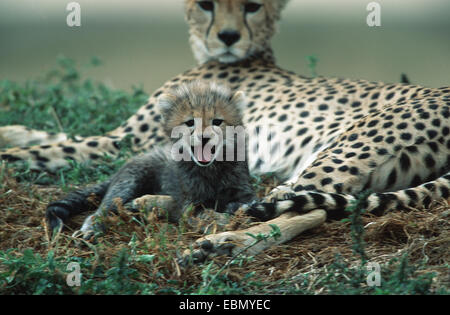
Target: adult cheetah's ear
(239,100)
(188,7)
(274,8)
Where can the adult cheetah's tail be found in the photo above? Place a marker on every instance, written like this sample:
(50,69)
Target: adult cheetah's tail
(335,204)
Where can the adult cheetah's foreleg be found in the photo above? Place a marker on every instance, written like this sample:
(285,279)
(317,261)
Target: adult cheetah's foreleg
(231,243)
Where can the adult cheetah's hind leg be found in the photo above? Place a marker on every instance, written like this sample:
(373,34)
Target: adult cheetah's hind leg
(401,152)
(377,203)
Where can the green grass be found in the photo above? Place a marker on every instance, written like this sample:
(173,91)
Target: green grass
(142,263)
(62,101)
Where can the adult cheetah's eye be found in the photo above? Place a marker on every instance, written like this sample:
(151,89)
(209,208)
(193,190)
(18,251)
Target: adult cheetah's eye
(189,123)
(252,7)
(206,5)
(217,122)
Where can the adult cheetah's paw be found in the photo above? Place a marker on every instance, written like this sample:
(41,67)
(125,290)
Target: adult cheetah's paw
(207,247)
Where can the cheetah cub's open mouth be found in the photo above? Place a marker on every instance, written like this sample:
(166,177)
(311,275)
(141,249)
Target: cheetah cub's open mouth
(203,155)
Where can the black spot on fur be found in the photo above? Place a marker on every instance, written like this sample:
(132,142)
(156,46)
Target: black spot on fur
(445,193)
(69,150)
(402,125)
(289,150)
(10,158)
(429,161)
(406,136)
(412,195)
(364,156)
(302,131)
(383,202)
(306,141)
(323,107)
(419,126)
(433,146)
(309,175)
(405,162)
(431,134)
(318,199)
(299,203)
(144,128)
(392,178)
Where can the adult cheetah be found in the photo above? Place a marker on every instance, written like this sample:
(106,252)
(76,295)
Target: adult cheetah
(327,138)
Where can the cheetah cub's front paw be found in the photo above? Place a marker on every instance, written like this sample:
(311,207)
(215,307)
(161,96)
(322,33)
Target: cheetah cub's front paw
(91,228)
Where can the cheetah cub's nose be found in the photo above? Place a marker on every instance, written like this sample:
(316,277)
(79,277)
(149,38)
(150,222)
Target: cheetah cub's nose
(229,37)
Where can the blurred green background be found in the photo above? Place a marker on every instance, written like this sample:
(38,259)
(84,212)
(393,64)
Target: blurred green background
(145,42)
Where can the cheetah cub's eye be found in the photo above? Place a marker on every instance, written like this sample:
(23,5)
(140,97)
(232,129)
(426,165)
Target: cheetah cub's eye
(206,5)
(217,122)
(189,123)
(252,7)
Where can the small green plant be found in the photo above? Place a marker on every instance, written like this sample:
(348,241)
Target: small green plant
(213,284)
(312,64)
(30,273)
(356,209)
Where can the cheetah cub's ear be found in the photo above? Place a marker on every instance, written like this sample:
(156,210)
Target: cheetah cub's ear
(165,103)
(240,101)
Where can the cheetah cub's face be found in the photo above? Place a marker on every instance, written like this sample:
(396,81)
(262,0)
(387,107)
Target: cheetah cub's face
(204,123)
(231,30)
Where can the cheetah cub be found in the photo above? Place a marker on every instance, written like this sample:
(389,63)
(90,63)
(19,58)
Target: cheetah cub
(204,163)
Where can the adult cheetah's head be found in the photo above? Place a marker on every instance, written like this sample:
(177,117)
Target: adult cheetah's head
(231,30)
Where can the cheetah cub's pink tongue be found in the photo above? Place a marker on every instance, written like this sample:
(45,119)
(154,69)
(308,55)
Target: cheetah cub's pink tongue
(203,156)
